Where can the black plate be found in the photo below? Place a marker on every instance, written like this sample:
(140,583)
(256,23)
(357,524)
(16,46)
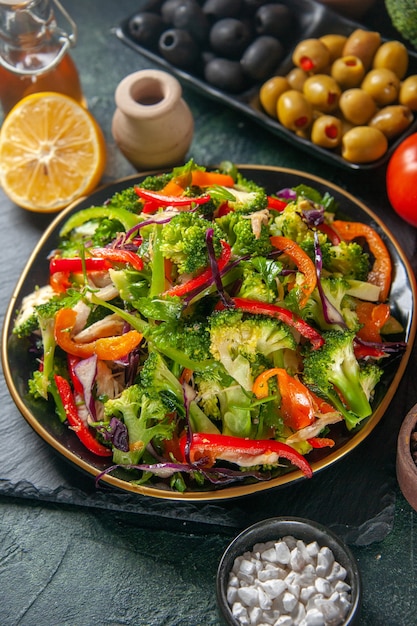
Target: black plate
(18,363)
(312,20)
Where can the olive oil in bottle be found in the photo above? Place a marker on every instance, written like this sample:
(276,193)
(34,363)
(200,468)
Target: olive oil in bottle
(34,53)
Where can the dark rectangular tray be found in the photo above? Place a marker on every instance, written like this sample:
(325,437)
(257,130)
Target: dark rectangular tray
(313,20)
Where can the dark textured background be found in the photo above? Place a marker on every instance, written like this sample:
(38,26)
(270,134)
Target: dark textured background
(72,555)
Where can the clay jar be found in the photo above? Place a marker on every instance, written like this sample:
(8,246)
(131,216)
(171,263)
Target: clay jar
(152,125)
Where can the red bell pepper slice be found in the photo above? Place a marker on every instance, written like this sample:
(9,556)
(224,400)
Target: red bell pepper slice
(276,204)
(284,315)
(321,442)
(61,268)
(77,265)
(206,275)
(164,200)
(330,233)
(72,363)
(82,431)
(243,452)
(118,255)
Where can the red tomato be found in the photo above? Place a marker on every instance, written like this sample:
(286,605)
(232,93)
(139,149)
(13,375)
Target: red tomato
(401,180)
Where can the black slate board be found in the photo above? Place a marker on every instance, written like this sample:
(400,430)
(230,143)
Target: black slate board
(355,497)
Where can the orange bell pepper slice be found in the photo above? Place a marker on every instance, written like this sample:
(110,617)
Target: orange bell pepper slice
(297,405)
(200,178)
(106,348)
(303,262)
(381,272)
(372,317)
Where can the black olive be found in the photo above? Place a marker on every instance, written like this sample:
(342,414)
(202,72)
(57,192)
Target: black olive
(168,9)
(229,37)
(273,19)
(145,28)
(189,16)
(218,9)
(179,48)
(262,57)
(225,74)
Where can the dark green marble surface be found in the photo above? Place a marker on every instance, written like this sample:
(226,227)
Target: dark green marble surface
(72,565)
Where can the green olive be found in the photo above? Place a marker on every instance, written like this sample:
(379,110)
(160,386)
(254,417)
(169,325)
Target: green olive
(392,120)
(311,55)
(348,71)
(296,78)
(363,44)
(383,85)
(334,44)
(408,92)
(364,144)
(357,106)
(327,131)
(394,56)
(294,111)
(323,92)
(271,91)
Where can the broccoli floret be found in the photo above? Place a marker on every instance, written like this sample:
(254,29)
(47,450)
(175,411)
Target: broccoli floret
(223,399)
(403,14)
(334,373)
(40,318)
(126,199)
(156,182)
(146,418)
(184,242)
(290,223)
(244,237)
(190,337)
(242,343)
(246,201)
(156,377)
(370,375)
(347,259)
(259,279)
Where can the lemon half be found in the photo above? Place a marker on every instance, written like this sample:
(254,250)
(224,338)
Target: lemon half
(52,152)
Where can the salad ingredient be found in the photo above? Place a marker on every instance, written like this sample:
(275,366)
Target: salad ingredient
(74,420)
(195,337)
(336,373)
(106,348)
(381,272)
(243,452)
(289,579)
(53,144)
(400,179)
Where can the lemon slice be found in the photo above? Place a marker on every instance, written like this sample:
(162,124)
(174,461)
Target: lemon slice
(52,152)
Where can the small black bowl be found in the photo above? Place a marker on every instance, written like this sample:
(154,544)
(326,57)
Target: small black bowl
(274,529)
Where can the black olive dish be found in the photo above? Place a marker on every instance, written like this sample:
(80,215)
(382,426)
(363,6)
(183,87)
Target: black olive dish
(227,49)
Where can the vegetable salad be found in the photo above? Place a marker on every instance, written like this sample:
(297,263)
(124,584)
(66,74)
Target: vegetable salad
(198,331)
